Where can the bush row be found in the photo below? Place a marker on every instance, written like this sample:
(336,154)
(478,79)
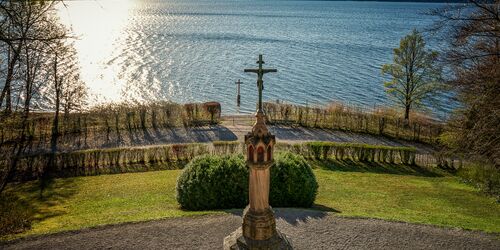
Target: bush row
(133,159)
(112,160)
(352,151)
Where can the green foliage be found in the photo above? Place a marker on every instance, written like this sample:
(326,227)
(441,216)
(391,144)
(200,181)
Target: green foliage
(484,176)
(293,183)
(414,73)
(175,156)
(14,215)
(112,160)
(352,151)
(213,182)
(226,147)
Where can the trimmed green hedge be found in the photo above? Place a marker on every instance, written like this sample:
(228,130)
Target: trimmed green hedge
(213,182)
(226,147)
(293,183)
(218,182)
(352,151)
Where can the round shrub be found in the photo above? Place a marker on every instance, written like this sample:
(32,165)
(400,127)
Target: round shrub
(293,183)
(217,182)
(213,182)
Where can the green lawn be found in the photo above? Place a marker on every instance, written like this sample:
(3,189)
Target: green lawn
(74,203)
(410,196)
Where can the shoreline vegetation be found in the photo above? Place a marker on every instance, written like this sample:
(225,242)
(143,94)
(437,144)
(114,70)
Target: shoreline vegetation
(117,119)
(108,119)
(338,116)
(117,122)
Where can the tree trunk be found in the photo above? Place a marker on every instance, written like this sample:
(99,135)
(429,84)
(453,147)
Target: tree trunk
(407,114)
(17,150)
(55,125)
(6,92)
(51,165)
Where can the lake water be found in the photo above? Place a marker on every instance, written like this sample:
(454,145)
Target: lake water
(192,51)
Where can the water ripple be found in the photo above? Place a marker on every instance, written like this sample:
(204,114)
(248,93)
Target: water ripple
(187,51)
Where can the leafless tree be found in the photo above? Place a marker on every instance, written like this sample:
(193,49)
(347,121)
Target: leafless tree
(22,22)
(35,39)
(474,59)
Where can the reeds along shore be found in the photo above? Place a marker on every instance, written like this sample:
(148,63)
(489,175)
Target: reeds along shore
(111,118)
(338,116)
(175,156)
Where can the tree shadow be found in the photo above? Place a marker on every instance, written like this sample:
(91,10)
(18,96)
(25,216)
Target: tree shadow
(147,135)
(225,134)
(298,133)
(31,205)
(375,167)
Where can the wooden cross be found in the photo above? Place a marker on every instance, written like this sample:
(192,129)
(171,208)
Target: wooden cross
(260,73)
(238,97)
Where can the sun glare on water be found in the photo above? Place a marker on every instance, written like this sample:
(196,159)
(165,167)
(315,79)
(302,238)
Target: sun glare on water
(97,26)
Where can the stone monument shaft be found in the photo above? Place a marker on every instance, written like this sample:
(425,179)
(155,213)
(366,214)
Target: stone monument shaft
(259,226)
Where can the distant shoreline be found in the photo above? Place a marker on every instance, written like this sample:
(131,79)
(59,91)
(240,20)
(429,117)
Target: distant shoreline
(395,1)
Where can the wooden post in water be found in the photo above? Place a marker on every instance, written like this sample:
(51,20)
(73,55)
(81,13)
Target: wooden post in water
(238,97)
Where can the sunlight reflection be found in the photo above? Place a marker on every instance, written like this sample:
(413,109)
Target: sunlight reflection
(98,25)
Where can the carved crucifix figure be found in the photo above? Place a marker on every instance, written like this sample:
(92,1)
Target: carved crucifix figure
(260,73)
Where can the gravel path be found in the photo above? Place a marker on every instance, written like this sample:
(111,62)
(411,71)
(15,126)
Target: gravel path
(307,230)
(231,128)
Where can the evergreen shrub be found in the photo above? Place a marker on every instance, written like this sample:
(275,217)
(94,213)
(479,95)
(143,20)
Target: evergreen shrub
(213,182)
(221,182)
(293,183)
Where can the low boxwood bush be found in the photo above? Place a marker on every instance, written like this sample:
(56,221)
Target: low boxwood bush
(219,182)
(293,183)
(213,182)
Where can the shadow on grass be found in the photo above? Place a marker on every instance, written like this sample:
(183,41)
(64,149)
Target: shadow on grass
(375,167)
(23,204)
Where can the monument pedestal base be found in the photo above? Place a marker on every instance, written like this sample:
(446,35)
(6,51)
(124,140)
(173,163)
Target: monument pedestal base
(258,225)
(236,241)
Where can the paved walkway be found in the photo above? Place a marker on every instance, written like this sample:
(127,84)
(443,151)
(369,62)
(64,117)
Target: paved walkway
(307,230)
(232,128)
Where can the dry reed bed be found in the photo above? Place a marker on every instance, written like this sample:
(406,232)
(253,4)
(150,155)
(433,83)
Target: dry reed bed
(350,118)
(112,118)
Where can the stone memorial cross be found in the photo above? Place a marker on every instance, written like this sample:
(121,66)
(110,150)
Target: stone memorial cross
(260,73)
(259,225)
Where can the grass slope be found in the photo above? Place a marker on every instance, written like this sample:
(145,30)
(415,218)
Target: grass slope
(80,202)
(406,195)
